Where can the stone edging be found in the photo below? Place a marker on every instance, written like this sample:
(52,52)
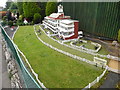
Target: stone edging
(11,67)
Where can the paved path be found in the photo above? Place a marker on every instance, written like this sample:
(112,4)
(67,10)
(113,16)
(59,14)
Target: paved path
(5,81)
(111,81)
(0,62)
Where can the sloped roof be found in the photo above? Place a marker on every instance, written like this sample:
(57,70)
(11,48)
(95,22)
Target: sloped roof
(55,15)
(68,21)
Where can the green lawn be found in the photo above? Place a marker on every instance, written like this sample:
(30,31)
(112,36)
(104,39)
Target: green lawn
(102,51)
(64,48)
(55,70)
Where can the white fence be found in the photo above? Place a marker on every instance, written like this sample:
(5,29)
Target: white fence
(81,50)
(75,57)
(66,53)
(96,80)
(35,74)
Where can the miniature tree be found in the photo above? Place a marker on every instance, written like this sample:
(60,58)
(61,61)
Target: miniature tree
(50,8)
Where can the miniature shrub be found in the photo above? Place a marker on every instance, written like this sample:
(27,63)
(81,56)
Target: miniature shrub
(3,23)
(21,17)
(10,23)
(37,18)
(5,17)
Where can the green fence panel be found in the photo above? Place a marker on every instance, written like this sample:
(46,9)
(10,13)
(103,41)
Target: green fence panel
(97,18)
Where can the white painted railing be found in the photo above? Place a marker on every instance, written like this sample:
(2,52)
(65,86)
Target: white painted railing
(15,32)
(81,50)
(96,80)
(35,74)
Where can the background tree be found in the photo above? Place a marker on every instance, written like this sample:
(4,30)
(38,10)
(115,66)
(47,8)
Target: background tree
(13,6)
(50,7)
(37,18)
(20,7)
(42,5)
(9,15)
(8,4)
(29,9)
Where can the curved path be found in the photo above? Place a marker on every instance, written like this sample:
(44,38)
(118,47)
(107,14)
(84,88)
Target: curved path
(4,74)
(5,81)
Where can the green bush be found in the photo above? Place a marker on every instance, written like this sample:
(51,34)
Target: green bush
(10,23)
(21,17)
(5,17)
(32,23)
(3,23)
(37,18)
(119,35)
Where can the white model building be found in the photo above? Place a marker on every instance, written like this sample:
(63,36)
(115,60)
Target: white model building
(62,25)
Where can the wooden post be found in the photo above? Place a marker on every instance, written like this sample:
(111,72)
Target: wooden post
(97,79)
(89,85)
(96,64)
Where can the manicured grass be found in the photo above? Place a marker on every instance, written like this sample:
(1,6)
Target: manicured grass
(55,70)
(64,48)
(102,51)
(87,45)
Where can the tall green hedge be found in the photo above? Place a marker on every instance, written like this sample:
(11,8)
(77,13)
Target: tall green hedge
(97,18)
(119,35)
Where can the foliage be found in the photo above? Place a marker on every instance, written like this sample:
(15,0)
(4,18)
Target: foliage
(9,15)
(64,72)
(119,35)
(20,22)
(50,8)
(13,6)
(20,7)
(4,23)
(42,5)
(10,23)
(21,17)
(5,17)
(29,9)
(37,18)
(8,4)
